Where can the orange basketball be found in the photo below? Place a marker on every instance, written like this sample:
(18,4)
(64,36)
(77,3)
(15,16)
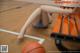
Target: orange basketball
(33,47)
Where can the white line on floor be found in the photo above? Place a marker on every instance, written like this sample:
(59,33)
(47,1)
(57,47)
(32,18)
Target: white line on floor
(11,32)
(41,40)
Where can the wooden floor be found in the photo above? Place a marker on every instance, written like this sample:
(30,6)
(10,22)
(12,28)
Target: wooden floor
(12,17)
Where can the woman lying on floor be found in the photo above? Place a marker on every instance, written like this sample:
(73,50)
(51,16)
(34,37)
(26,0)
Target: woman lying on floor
(45,10)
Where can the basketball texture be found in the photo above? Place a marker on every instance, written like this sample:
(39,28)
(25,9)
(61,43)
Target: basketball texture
(33,47)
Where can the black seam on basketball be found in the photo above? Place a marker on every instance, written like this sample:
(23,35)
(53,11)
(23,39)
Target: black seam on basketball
(33,49)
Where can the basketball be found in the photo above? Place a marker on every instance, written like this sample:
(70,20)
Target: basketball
(33,47)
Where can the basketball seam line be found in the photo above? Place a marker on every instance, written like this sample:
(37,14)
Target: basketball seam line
(34,49)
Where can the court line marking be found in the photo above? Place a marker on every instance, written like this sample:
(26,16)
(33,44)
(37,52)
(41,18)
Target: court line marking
(40,40)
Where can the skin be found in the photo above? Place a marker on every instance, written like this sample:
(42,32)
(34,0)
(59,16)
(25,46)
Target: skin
(44,10)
